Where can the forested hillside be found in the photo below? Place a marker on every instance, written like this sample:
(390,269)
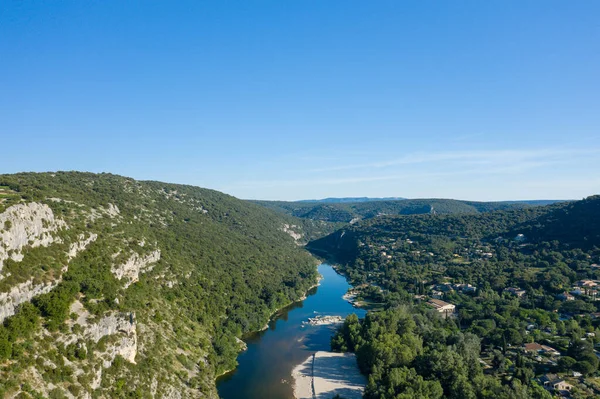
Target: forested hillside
(111,287)
(346,212)
(516,296)
(576,224)
(351,199)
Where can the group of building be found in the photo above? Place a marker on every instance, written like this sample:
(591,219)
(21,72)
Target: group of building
(587,288)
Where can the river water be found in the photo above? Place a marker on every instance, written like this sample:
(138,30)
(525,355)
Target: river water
(265,369)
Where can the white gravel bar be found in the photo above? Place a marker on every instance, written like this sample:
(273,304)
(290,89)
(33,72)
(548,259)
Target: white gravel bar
(327,374)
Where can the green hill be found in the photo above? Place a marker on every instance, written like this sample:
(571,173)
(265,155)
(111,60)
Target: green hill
(576,224)
(112,287)
(497,280)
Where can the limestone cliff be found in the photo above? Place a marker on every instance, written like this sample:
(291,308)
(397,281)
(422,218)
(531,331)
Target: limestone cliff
(22,225)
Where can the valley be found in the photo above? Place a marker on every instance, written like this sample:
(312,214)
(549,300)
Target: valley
(111,287)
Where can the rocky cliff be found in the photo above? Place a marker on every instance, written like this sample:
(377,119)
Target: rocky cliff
(26,225)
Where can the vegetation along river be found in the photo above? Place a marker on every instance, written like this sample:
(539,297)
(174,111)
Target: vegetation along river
(265,368)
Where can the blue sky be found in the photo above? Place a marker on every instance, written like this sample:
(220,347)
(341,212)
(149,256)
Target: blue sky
(481,100)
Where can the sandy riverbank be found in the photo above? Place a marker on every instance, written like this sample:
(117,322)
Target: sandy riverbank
(327,374)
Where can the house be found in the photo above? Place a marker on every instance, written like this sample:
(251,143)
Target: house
(587,287)
(552,381)
(469,288)
(442,307)
(550,351)
(445,287)
(532,347)
(561,385)
(587,283)
(465,288)
(546,379)
(520,238)
(515,291)
(565,296)
(437,294)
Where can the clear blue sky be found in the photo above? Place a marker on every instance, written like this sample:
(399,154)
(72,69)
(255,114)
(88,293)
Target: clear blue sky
(483,100)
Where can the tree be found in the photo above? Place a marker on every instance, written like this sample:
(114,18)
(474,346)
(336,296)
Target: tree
(566,363)
(5,344)
(583,353)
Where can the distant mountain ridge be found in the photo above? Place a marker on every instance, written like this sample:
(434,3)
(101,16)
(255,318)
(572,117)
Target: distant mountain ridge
(344,200)
(346,212)
(341,200)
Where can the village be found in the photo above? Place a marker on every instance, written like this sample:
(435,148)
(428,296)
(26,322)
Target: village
(544,345)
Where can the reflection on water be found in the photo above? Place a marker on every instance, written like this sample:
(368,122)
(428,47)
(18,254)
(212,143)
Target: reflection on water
(265,369)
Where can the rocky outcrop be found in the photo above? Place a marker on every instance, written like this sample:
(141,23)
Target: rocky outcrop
(171,392)
(130,270)
(24,225)
(20,294)
(123,326)
(120,327)
(80,245)
(289,229)
(111,211)
(243,346)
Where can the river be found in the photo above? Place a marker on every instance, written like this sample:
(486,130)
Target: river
(265,368)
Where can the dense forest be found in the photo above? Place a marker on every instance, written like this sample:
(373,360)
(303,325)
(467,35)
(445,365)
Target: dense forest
(490,305)
(112,287)
(338,210)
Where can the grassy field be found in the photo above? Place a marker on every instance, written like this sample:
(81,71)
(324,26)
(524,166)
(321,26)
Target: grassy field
(460,260)
(7,197)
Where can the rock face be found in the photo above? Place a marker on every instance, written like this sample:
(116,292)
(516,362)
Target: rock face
(25,292)
(290,230)
(119,327)
(112,210)
(122,325)
(130,270)
(26,225)
(80,245)
(20,294)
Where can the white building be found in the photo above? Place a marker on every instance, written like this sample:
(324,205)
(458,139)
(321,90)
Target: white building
(442,307)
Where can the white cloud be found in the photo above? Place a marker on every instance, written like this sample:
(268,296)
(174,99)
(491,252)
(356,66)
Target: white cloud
(474,174)
(468,157)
